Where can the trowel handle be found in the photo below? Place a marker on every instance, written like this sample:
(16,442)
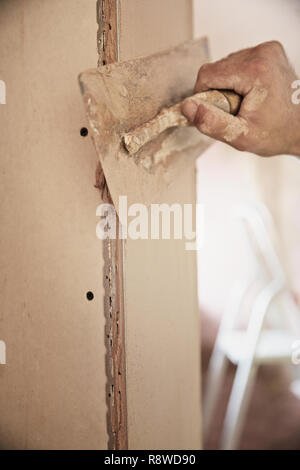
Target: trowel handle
(227,100)
(234,100)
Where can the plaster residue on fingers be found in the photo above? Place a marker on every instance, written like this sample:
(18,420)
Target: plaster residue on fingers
(228,126)
(255,98)
(177,142)
(234,129)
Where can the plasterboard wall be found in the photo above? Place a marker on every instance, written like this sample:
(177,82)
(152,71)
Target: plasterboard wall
(52,389)
(162,321)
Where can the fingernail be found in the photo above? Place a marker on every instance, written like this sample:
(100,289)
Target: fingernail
(189,109)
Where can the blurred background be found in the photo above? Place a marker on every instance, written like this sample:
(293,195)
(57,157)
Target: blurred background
(247,251)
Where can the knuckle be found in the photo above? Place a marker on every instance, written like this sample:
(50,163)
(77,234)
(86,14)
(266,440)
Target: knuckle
(202,72)
(275,45)
(259,66)
(271,48)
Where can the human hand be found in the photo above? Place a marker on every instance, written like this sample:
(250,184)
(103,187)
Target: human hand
(268,122)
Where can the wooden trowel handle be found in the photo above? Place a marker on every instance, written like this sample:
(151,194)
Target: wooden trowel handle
(228,101)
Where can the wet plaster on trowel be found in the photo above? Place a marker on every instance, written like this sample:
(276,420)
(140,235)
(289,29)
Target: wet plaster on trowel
(122,96)
(165,147)
(158,152)
(92,122)
(170,117)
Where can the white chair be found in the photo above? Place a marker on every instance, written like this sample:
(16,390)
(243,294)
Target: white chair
(257,344)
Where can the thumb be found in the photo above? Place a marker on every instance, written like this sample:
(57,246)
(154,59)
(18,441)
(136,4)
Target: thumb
(216,123)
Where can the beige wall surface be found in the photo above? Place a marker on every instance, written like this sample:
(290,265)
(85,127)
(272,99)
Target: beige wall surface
(52,389)
(148,26)
(162,322)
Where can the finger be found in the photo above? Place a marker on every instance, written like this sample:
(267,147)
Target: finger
(224,74)
(217,124)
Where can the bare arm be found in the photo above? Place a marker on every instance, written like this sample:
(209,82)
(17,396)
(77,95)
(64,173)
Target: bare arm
(268,122)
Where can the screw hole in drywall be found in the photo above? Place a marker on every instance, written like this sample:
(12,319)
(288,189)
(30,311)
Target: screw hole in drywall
(89,295)
(84,132)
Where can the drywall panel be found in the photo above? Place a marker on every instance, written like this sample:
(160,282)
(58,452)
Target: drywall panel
(148,26)
(162,337)
(52,389)
(162,323)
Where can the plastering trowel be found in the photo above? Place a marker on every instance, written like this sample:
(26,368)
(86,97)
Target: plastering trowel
(140,135)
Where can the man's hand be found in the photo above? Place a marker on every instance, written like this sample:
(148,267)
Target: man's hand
(268,123)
